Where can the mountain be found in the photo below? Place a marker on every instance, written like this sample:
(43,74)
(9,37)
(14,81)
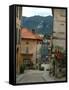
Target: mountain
(42,25)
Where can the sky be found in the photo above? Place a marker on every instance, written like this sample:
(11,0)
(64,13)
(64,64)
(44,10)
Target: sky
(31,11)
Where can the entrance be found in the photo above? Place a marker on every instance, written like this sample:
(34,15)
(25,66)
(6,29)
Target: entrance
(28,64)
(27,61)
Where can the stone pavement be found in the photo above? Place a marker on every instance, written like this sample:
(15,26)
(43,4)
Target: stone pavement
(31,76)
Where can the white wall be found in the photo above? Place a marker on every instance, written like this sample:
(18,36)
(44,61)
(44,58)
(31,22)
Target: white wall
(4,45)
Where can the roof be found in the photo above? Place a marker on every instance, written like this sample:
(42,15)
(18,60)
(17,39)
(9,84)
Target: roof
(27,34)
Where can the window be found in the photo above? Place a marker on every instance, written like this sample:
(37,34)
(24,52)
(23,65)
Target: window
(17,49)
(39,42)
(27,50)
(61,24)
(27,42)
(26,61)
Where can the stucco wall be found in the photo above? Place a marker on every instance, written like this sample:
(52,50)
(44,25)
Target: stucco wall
(32,46)
(59,27)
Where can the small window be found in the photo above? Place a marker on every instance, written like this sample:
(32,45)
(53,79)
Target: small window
(27,50)
(37,42)
(61,24)
(22,39)
(26,61)
(27,42)
(62,15)
(40,42)
(17,49)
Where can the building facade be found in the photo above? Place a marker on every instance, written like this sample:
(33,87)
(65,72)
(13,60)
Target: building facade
(28,52)
(59,28)
(18,22)
(59,42)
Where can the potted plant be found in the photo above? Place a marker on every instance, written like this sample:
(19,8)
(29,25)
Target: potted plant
(22,68)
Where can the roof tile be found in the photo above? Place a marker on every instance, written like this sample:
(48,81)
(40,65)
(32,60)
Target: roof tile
(27,34)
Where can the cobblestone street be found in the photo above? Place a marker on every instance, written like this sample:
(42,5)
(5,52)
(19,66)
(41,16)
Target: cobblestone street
(31,76)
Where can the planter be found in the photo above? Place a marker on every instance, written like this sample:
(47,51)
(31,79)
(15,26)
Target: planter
(22,68)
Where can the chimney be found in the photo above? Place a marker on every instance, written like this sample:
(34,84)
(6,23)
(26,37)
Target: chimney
(33,31)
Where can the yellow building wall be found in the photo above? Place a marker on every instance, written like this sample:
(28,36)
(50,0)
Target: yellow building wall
(32,49)
(32,45)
